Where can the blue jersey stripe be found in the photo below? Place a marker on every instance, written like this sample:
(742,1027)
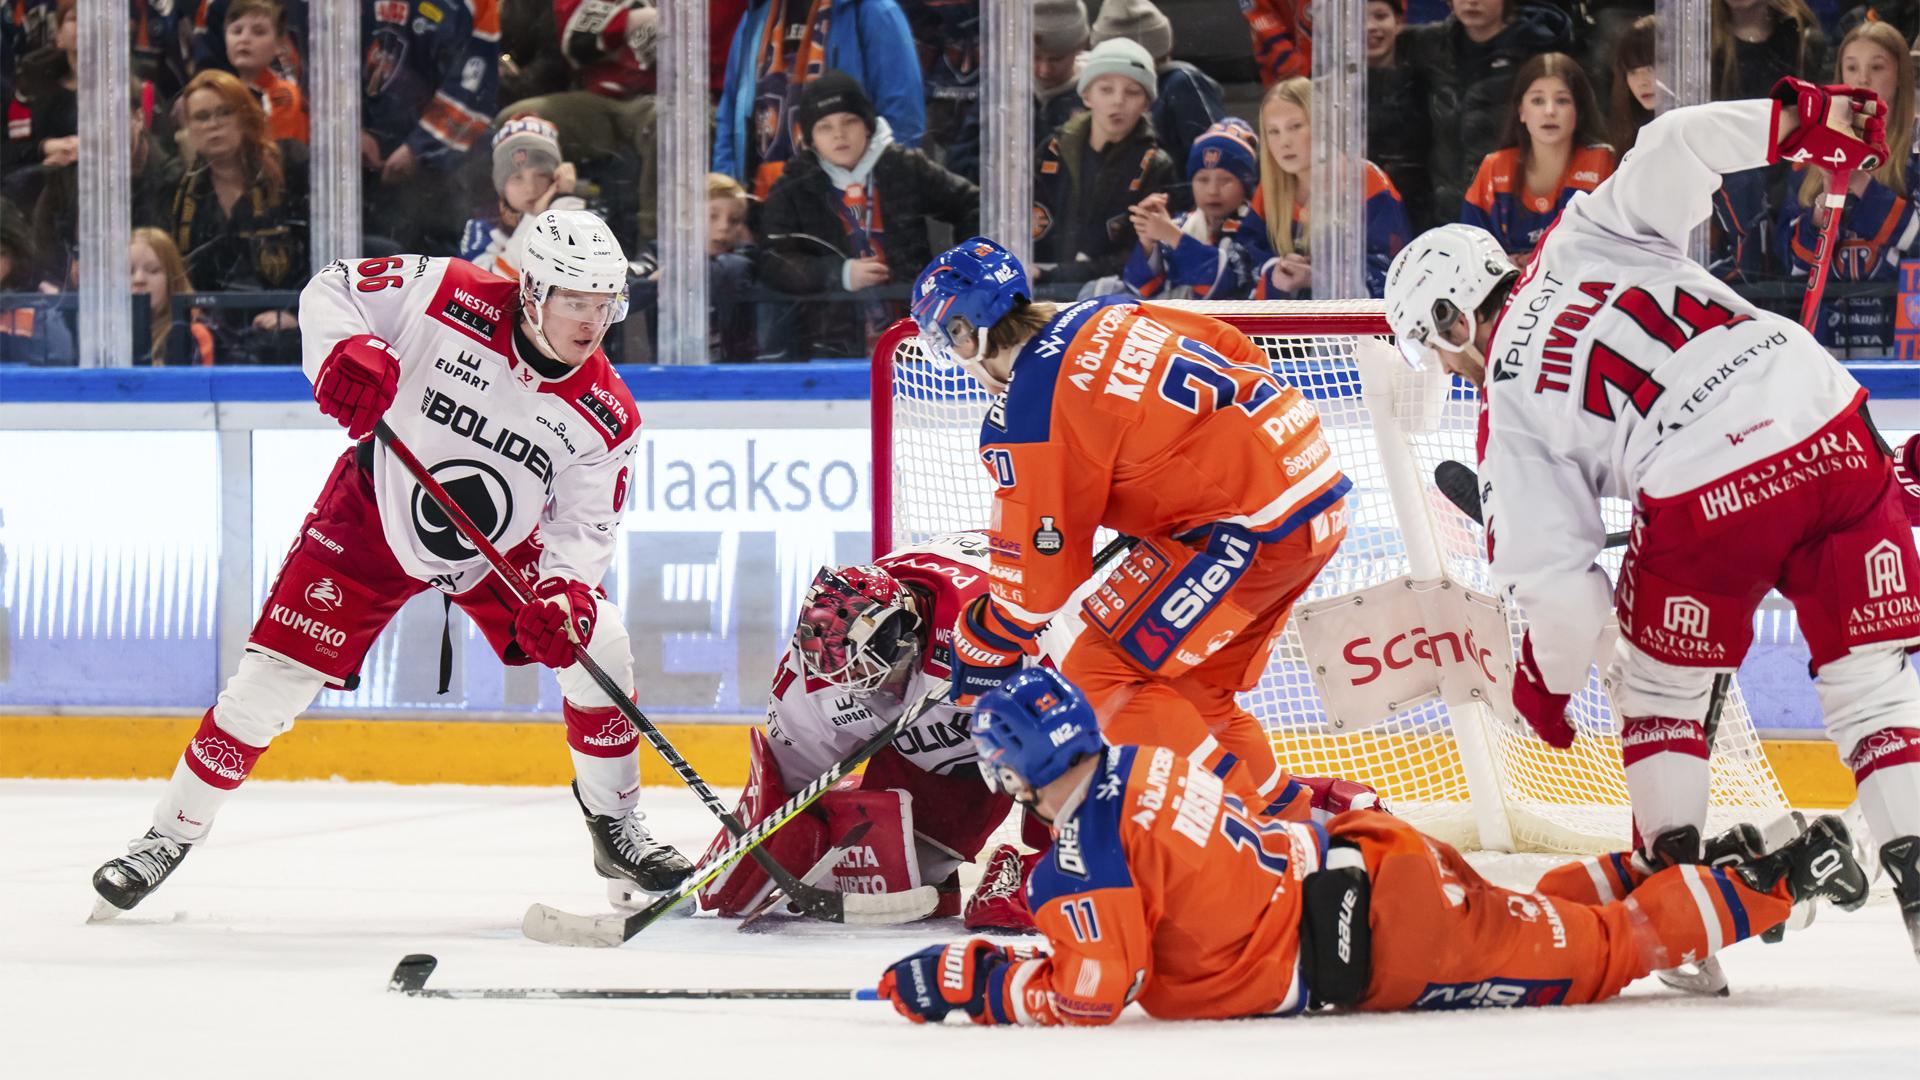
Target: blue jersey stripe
(1741,927)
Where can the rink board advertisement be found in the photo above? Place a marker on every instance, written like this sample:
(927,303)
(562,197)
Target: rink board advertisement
(111,563)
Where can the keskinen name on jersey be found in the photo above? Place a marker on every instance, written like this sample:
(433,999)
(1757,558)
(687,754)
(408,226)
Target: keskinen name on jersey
(1134,364)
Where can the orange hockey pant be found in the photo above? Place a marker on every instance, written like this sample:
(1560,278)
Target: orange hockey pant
(1195,711)
(1444,938)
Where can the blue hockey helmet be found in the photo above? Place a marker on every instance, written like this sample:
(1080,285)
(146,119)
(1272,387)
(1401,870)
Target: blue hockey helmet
(963,292)
(1030,730)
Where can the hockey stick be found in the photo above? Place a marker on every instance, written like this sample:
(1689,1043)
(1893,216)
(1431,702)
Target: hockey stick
(815,875)
(555,927)
(817,903)
(411,973)
(1835,201)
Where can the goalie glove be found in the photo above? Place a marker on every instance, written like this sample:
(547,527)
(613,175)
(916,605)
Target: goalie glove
(1543,710)
(967,975)
(1814,142)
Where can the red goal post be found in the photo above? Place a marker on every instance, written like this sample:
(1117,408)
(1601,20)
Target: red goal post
(1381,675)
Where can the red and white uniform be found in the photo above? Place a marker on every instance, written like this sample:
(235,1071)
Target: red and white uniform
(811,724)
(1620,368)
(540,464)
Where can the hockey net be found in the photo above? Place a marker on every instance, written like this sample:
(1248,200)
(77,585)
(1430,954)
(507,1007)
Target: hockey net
(1468,774)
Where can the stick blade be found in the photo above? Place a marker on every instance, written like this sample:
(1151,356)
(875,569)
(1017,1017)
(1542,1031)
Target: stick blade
(1461,487)
(551,926)
(410,974)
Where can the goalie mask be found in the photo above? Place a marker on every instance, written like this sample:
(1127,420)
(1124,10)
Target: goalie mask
(1440,278)
(857,625)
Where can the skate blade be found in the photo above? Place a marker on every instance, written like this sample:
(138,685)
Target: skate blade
(103,911)
(1705,978)
(624,895)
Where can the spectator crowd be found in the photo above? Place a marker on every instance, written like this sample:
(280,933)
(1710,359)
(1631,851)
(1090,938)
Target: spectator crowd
(846,150)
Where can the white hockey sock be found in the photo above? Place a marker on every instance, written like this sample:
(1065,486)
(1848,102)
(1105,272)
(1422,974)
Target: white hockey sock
(608,785)
(1667,773)
(185,813)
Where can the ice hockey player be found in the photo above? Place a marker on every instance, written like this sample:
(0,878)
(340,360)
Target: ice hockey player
(1162,424)
(503,392)
(1162,888)
(871,642)
(1617,367)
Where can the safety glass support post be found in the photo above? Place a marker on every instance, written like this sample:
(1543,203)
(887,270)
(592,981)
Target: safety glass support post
(105,183)
(1336,203)
(1006,128)
(333,80)
(681,144)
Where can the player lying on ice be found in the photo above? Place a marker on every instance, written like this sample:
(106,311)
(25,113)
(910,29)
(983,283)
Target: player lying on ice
(1162,424)
(1162,889)
(504,394)
(1615,366)
(870,642)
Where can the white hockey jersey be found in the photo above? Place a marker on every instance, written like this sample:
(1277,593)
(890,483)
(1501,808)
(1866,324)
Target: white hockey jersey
(516,450)
(1620,367)
(811,724)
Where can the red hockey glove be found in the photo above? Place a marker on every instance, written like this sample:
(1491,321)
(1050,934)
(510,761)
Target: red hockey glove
(356,383)
(987,650)
(1543,710)
(1333,796)
(938,979)
(559,617)
(1814,142)
(1906,470)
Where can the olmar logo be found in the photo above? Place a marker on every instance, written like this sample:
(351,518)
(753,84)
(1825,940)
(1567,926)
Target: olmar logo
(1885,575)
(324,596)
(1685,615)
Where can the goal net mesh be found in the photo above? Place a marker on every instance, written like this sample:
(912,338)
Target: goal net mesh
(927,419)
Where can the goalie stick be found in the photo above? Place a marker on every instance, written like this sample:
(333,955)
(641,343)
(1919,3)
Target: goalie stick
(818,903)
(411,973)
(552,926)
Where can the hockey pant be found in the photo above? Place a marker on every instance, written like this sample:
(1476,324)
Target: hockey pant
(337,590)
(1826,523)
(1185,699)
(1445,938)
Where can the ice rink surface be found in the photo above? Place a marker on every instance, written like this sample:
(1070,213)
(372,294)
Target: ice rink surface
(268,952)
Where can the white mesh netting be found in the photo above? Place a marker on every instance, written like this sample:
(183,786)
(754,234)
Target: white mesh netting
(1573,800)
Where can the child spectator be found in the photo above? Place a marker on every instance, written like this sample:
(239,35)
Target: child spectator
(239,214)
(1633,85)
(530,179)
(1060,34)
(31,330)
(1282,33)
(1467,64)
(1551,150)
(208,47)
(1756,42)
(1395,92)
(1097,166)
(1209,253)
(256,31)
(781,45)
(850,213)
(731,319)
(1878,225)
(1187,101)
(1286,173)
(160,274)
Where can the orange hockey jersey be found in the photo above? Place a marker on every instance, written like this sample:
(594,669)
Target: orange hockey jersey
(1161,889)
(1150,420)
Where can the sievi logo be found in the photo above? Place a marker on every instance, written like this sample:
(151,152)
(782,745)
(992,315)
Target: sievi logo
(1195,595)
(1406,649)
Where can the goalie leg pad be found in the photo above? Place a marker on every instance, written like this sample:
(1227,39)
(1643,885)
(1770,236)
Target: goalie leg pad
(797,845)
(883,862)
(956,812)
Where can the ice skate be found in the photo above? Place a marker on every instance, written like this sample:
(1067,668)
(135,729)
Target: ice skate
(1818,864)
(125,881)
(1901,858)
(997,902)
(624,852)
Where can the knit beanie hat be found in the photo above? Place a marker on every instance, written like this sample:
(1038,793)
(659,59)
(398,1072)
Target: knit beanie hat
(524,142)
(1227,145)
(1059,26)
(1118,56)
(832,92)
(1135,20)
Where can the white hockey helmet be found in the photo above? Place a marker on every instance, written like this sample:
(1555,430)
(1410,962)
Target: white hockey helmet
(570,249)
(1443,276)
